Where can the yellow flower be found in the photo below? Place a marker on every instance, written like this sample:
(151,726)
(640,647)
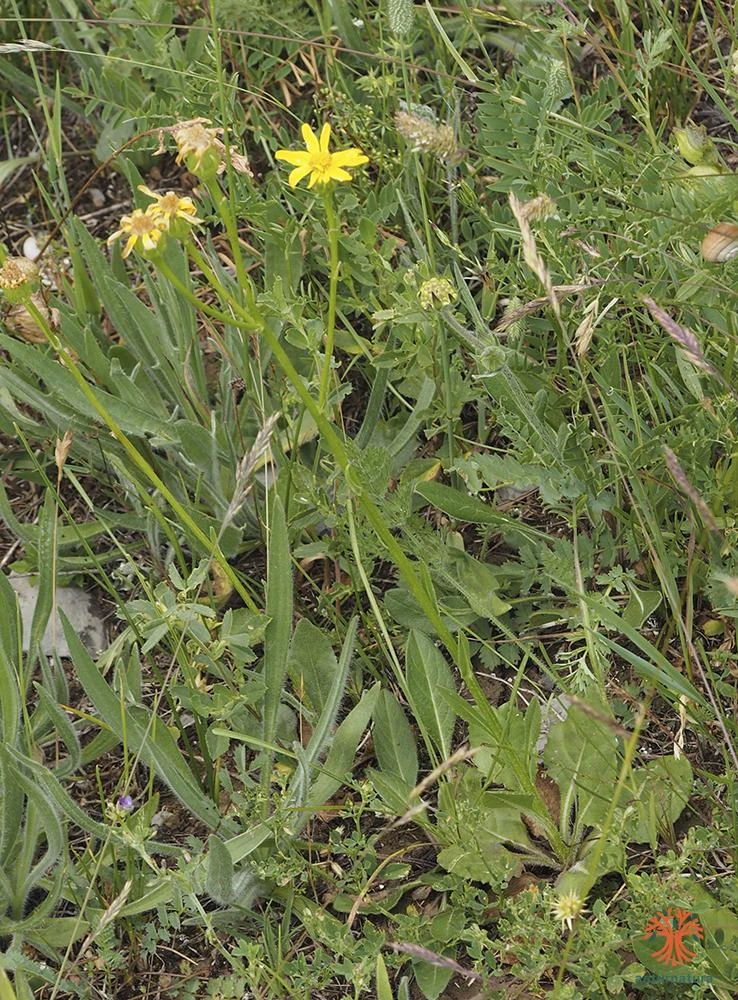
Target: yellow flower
(140,227)
(170,206)
(322,165)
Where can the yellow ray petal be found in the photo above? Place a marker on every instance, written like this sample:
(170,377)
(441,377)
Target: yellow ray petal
(314,176)
(298,173)
(349,158)
(337,174)
(311,140)
(325,137)
(294,156)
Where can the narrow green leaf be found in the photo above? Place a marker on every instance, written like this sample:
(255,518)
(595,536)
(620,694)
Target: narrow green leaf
(451,48)
(41,822)
(298,790)
(43,777)
(8,167)
(394,743)
(429,681)
(312,663)
(11,660)
(64,729)
(321,733)
(46,561)
(338,764)
(458,505)
(244,844)
(219,881)
(6,990)
(278,629)
(463,507)
(25,532)
(384,990)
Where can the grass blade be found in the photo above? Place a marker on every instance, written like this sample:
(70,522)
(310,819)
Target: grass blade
(277,635)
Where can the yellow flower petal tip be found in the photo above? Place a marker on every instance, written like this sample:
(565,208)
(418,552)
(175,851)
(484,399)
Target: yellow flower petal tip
(318,161)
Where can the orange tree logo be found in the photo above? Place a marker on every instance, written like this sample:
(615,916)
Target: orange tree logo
(674,927)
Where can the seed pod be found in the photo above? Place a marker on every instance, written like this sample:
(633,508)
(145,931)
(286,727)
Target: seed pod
(721,243)
(694,144)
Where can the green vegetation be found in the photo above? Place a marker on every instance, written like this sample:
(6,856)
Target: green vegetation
(404,464)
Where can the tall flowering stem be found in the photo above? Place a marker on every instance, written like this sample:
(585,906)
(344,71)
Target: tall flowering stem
(324,168)
(330,326)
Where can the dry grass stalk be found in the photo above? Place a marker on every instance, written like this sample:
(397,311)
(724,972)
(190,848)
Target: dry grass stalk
(530,251)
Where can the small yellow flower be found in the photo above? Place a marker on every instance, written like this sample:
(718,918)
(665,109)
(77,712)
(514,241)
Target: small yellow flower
(568,908)
(170,206)
(140,227)
(317,160)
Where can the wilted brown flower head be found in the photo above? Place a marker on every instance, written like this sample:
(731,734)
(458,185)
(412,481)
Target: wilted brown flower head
(201,147)
(24,324)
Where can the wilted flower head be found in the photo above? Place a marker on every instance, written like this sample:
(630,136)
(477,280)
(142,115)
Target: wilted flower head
(419,126)
(318,161)
(140,227)
(125,803)
(20,321)
(19,278)
(435,293)
(201,148)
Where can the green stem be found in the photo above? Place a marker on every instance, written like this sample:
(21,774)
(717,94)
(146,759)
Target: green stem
(333,442)
(335,445)
(447,396)
(330,326)
(138,460)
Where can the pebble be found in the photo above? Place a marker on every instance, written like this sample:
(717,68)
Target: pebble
(31,249)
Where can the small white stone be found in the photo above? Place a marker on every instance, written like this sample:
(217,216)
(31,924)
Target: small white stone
(31,249)
(96,197)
